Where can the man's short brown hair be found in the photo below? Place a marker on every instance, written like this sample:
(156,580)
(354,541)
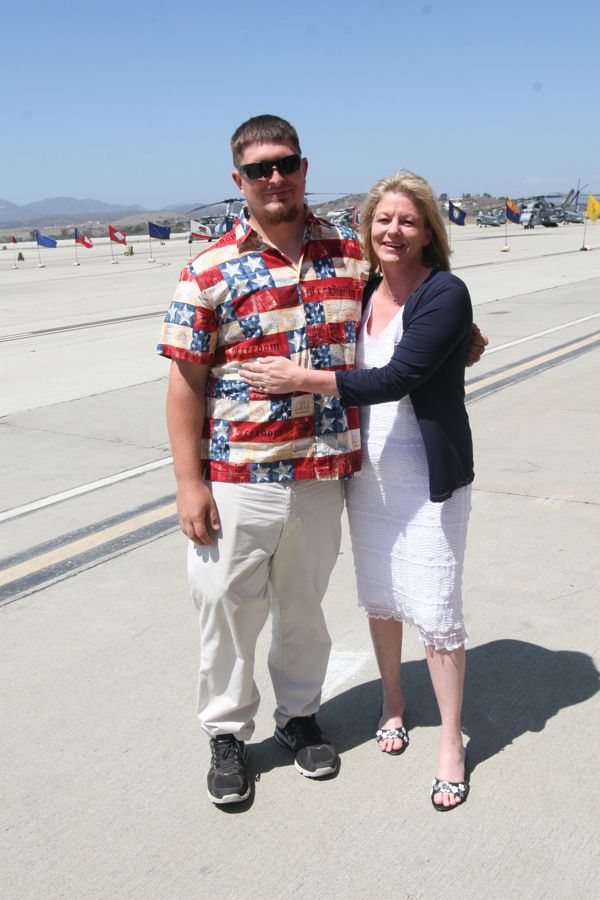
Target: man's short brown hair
(263,130)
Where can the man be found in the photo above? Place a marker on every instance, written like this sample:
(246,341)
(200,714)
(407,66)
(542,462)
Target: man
(259,490)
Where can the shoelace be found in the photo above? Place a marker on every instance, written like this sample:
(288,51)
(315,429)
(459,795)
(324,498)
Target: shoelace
(224,750)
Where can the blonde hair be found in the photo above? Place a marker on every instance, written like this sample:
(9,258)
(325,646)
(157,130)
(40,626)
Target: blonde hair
(437,252)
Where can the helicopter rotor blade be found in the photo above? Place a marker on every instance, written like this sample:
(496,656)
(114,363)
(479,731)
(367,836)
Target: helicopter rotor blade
(216,203)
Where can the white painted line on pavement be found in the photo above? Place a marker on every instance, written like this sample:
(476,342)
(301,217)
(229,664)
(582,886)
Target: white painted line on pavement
(159,463)
(83,489)
(531,337)
(343,666)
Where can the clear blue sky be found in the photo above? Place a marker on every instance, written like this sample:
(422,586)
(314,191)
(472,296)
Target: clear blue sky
(134,101)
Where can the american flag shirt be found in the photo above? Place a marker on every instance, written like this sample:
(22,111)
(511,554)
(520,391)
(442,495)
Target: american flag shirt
(241,299)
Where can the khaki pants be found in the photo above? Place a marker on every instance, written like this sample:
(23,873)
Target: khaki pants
(275,552)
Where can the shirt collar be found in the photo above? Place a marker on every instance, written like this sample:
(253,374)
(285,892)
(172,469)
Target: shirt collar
(244,230)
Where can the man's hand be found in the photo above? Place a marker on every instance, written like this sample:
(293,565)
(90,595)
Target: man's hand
(477,346)
(197,511)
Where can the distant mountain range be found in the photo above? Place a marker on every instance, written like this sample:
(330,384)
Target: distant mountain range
(62,211)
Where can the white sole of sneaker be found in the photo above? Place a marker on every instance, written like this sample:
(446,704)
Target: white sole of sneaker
(319,773)
(228,798)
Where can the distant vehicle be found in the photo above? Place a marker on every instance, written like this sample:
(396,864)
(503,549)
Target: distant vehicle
(218,225)
(529,217)
(347,216)
(540,211)
(493,217)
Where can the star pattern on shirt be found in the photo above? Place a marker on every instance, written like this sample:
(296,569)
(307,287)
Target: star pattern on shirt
(240,286)
(296,340)
(253,262)
(226,312)
(285,471)
(180,313)
(220,430)
(263,280)
(238,299)
(251,326)
(230,270)
(261,473)
(329,415)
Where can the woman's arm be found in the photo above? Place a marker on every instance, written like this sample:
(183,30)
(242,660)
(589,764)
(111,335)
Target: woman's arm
(436,328)
(441,322)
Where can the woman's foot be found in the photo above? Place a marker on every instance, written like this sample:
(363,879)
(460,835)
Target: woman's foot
(452,770)
(391,735)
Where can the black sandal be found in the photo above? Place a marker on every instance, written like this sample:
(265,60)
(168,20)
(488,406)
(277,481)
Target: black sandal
(385,734)
(458,788)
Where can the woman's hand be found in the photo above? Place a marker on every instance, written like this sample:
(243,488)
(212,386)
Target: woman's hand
(272,375)
(479,342)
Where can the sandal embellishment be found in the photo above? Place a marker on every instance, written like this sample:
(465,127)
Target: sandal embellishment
(390,734)
(458,789)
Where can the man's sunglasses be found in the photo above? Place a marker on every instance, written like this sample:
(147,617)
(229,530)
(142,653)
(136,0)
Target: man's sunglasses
(285,166)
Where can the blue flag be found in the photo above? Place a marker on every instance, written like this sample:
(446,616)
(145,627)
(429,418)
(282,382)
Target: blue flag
(160,232)
(455,214)
(43,240)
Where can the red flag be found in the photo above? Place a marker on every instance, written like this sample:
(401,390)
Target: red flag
(119,237)
(82,239)
(13,239)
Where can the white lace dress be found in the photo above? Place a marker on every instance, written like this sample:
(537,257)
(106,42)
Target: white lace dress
(408,551)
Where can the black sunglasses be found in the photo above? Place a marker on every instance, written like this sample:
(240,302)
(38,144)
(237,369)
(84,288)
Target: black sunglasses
(285,166)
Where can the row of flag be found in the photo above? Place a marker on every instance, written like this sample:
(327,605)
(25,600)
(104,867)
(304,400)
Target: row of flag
(202,232)
(457,215)
(513,214)
(160,232)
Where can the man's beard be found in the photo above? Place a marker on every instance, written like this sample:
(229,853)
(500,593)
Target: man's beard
(280,216)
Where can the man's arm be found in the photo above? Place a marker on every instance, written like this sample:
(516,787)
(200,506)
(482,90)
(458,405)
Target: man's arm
(185,420)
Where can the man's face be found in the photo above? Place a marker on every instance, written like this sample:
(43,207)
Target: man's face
(277,198)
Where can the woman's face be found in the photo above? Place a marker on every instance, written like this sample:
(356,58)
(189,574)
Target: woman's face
(398,232)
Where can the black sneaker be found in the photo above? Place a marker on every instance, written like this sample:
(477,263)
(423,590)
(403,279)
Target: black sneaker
(314,756)
(227,777)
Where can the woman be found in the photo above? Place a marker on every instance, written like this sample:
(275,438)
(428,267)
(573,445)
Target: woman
(408,511)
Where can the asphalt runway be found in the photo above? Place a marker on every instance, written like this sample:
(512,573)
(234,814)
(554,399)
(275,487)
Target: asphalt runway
(103,762)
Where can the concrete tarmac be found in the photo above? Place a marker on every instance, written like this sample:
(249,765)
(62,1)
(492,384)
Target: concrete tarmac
(104,765)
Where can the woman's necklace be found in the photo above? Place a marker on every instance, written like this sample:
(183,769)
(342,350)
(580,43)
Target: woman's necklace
(401,300)
(396,299)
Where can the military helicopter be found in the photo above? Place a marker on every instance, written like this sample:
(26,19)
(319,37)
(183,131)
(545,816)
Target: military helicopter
(571,211)
(550,209)
(348,216)
(217,225)
(212,227)
(494,217)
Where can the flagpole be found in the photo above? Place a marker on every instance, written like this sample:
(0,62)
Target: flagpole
(506,248)
(583,246)
(41,265)
(112,253)
(15,266)
(150,258)
(76,263)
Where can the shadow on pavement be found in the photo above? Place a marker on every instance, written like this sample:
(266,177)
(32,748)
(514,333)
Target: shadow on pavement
(512,687)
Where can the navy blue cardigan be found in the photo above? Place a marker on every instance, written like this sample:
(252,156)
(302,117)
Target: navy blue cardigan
(428,364)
